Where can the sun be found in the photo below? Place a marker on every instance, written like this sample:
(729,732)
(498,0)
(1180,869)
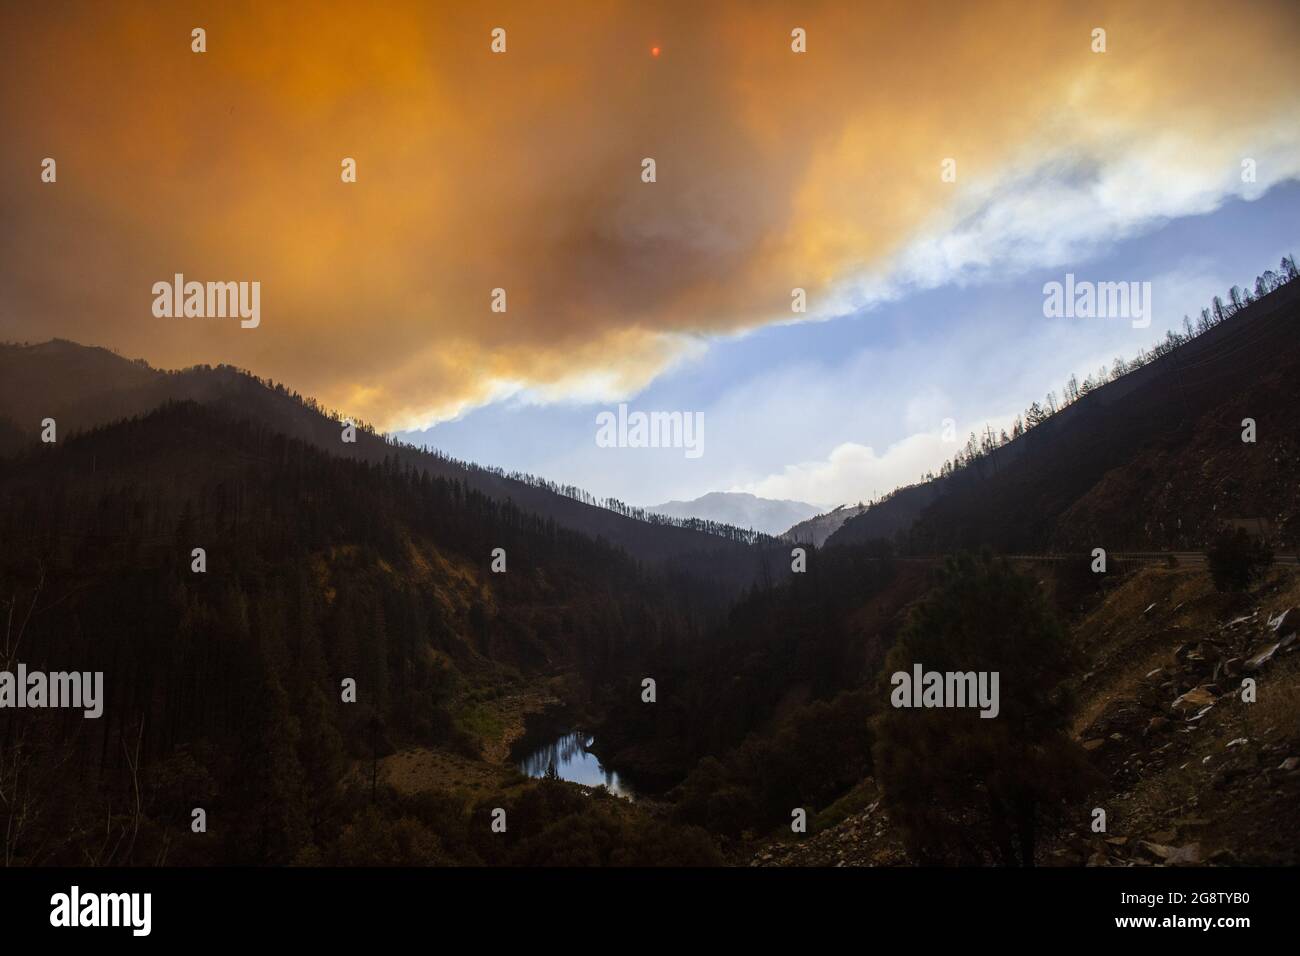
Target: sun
(654,51)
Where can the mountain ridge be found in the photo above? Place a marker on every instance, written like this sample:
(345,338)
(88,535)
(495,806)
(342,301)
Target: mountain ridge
(741,509)
(1068,482)
(84,386)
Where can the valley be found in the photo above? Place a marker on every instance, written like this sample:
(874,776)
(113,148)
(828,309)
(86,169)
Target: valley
(493,635)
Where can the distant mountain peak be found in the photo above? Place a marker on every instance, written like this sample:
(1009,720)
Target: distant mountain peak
(740,508)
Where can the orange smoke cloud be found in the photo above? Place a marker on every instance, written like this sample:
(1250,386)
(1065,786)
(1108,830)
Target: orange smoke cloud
(522,170)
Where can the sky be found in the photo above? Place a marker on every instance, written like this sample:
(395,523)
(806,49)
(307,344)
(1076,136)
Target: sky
(920,170)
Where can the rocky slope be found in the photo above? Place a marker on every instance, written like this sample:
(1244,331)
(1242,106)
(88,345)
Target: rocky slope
(1195,774)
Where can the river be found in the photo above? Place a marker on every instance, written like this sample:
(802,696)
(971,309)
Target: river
(572,761)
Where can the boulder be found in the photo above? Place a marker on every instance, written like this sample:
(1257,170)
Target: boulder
(1175,855)
(1194,699)
(1257,662)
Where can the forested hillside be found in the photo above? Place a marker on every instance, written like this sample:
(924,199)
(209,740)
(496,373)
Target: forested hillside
(1153,459)
(224,687)
(81,387)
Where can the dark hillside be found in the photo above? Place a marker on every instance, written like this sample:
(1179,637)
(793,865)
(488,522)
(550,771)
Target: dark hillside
(82,387)
(1153,460)
(225,686)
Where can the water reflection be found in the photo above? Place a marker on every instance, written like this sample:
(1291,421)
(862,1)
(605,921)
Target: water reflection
(568,758)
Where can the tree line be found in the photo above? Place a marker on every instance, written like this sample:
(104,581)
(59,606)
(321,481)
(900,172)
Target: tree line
(980,446)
